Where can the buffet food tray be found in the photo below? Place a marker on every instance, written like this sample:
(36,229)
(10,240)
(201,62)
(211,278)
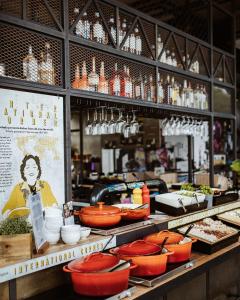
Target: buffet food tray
(122,227)
(229,220)
(179,211)
(225,198)
(172,270)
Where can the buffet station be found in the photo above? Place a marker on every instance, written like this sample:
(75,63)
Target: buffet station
(127,250)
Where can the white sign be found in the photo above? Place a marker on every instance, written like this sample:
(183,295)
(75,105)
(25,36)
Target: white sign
(31,151)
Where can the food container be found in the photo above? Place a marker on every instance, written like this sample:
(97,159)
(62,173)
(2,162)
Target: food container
(143,254)
(181,252)
(95,280)
(100,215)
(71,234)
(158,238)
(132,211)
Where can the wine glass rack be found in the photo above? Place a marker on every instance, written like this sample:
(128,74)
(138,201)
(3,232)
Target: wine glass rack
(122,35)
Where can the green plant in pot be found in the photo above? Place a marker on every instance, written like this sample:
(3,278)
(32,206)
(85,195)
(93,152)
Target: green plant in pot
(15,239)
(208,192)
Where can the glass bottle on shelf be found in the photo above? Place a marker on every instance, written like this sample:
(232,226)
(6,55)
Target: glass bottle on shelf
(46,68)
(129,84)
(112,27)
(175,92)
(185,95)
(98,31)
(93,77)
(122,31)
(160,90)
(168,91)
(196,66)
(103,83)
(159,45)
(196,98)
(30,66)
(83,82)
(188,61)
(75,83)
(115,85)
(138,87)
(87,26)
(191,97)
(168,58)
(152,89)
(79,28)
(138,38)
(124,83)
(205,98)
(147,92)
(174,60)
(126,46)
(132,43)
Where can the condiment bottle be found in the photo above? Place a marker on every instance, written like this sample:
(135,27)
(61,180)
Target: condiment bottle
(146,198)
(137,196)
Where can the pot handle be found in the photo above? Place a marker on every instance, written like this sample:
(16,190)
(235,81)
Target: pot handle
(133,266)
(194,240)
(113,251)
(65,269)
(169,253)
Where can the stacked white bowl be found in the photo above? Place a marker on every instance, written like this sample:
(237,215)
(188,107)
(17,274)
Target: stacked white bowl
(53,223)
(71,234)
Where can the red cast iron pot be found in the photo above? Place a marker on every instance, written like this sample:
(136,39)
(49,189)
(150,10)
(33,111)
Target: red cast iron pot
(158,238)
(143,254)
(90,277)
(182,252)
(100,216)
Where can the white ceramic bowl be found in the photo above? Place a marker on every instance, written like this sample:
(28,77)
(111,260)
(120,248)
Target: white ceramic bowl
(70,228)
(52,237)
(85,232)
(52,227)
(53,211)
(71,238)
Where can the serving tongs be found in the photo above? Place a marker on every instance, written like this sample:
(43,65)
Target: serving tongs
(196,198)
(182,205)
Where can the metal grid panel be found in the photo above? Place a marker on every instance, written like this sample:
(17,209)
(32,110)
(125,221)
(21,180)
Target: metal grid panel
(137,72)
(14,47)
(95,21)
(229,70)
(44,12)
(182,91)
(13,8)
(218,64)
(72,5)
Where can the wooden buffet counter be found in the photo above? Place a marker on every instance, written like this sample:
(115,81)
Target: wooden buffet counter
(20,279)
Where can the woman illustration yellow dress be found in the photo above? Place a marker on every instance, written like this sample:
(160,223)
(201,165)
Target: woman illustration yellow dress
(18,202)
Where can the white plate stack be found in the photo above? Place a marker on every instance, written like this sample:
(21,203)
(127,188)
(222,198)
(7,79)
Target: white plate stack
(53,223)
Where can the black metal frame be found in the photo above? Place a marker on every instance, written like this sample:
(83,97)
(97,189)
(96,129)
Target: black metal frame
(65,34)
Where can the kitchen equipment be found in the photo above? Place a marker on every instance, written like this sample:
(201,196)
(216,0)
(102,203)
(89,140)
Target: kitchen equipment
(70,234)
(52,237)
(143,254)
(99,283)
(133,211)
(100,216)
(157,238)
(85,232)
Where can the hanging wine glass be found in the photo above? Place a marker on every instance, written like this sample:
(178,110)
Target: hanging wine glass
(88,127)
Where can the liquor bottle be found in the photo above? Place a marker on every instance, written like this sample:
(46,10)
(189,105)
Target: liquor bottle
(197,98)
(159,45)
(138,38)
(115,85)
(30,66)
(152,89)
(83,82)
(168,91)
(180,98)
(185,95)
(86,26)
(124,83)
(79,29)
(132,43)
(112,27)
(163,57)
(191,97)
(205,98)
(168,58)
(46,68)
(175,92)
(160,96)
(174,60)
(146,87)
(98,31)
(93,77)
(103,83)
(75,83)
(122,31)
(188,61)
(126,46)
(138,87)
(196,66)
(129,91)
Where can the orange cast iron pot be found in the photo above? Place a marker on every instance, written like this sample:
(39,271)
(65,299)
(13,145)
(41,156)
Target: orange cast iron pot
(158,238)
(99,284)
(100,216)
(135,214)
(182,252)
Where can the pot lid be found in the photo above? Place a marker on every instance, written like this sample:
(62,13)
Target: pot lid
(139,247)
(100,209)
(93,262)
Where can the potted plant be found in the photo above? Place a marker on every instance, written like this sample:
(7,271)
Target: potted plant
(15,239)
(208,192)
